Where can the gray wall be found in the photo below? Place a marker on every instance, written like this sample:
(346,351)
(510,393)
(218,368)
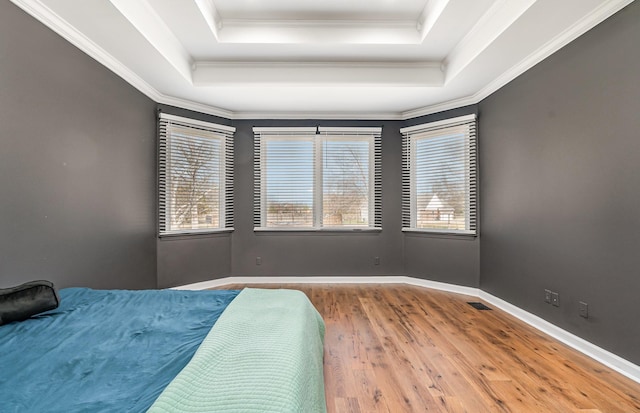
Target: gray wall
(319,254)
(77,165)
(448,259)
(444,258)
(78,170)
(560,154)
(189,259)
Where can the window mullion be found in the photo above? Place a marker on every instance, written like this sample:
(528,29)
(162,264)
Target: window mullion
(318,190)
(302,160)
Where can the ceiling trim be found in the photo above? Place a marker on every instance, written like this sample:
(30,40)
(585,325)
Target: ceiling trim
(319,115)
(195,106)
(429,16)
(440,107)
(356,74)
(211,16)
(50,19)
(597,16)
(500,16)
(147,22)
(319,32)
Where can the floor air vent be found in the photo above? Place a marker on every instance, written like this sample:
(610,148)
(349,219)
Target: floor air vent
(479,306)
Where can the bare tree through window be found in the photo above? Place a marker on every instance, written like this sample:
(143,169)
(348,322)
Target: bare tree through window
(346,183)
(316,180)
(195,182)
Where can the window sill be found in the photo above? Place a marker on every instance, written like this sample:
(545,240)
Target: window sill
(192,233)
(317,230)
(432,232)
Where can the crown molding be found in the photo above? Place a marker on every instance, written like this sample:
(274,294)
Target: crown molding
(319,115)
(373,74)
(195,106)
(211,16)
(321,24)
(440,107)
(50,19)
(429,16)
(495,21)
(146,21)
(311,31)
(604,11)
(244,115)
(316,31)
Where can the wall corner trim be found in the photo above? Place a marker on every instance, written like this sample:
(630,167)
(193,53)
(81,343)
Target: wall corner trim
(617,363)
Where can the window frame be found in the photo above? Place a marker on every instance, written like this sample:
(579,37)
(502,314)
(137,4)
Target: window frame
(221,133)
(318,136)
(466,125)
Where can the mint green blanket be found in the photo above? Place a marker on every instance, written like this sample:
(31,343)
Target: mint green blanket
(264,354)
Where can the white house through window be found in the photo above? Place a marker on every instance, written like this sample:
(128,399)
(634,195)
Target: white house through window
(439,176)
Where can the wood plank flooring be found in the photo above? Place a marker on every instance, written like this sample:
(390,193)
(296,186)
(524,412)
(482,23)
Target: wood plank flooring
(398,348)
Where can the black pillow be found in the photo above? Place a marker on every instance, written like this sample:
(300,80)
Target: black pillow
(21,302)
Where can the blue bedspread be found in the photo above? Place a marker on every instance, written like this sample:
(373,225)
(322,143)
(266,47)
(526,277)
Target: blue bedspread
(103,351)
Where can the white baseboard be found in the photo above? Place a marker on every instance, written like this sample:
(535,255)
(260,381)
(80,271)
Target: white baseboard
(291,280)
(599,354)
(436,285)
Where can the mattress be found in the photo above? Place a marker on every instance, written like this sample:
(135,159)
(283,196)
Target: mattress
(265,354)
(118,351)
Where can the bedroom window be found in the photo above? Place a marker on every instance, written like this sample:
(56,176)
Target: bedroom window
(195,175)
(317,178)
(439,176)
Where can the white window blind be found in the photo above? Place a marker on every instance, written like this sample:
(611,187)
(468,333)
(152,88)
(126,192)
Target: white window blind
(439,176)
(315,178)
(195,176)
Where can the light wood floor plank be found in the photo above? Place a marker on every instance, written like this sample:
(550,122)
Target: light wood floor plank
(398,348)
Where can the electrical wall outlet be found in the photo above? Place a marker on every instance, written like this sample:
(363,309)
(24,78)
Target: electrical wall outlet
(555,299)
(583,309)
(376,260)
(547,296)
(258,260)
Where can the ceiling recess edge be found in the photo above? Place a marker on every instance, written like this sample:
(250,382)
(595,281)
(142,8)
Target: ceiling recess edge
(50,19)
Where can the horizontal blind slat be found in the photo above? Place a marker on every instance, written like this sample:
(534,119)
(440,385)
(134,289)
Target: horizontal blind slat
(195,176)
(439,176)
(304,179)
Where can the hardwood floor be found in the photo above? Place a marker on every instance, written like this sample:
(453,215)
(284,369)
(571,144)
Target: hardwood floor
(398,348)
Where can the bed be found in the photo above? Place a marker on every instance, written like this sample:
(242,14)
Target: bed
(166,351)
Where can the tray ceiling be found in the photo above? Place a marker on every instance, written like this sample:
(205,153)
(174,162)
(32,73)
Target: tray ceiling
(382,59)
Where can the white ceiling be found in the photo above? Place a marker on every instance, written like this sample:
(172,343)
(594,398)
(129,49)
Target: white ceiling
(381,59)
